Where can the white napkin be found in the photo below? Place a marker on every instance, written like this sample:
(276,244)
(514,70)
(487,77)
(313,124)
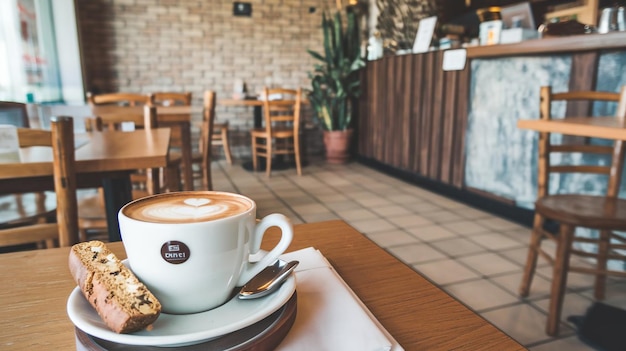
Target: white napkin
(330,316)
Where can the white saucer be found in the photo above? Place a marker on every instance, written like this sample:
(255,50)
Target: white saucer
(178,330)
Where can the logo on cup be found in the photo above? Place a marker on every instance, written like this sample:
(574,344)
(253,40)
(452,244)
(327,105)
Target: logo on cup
(175,252)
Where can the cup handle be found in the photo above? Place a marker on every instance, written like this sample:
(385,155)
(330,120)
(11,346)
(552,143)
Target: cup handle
(273,220)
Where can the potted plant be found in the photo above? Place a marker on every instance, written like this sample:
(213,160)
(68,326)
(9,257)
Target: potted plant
(335,83)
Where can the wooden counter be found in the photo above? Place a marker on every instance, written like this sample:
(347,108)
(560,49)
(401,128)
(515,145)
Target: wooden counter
(428,126)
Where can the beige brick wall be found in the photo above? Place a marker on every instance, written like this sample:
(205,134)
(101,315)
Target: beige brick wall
(195,45)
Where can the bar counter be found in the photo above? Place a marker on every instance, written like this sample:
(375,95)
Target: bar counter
(455,131)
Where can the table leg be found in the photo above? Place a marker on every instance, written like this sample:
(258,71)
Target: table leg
(185,135)
(117,193)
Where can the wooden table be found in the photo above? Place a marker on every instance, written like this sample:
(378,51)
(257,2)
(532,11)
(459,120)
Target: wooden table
(419,315)
(102,159)
(593,127)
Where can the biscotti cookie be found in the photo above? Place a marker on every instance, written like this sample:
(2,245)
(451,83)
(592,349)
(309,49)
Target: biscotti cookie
(122,301)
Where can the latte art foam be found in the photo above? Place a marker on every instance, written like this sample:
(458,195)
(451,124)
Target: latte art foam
(187,207)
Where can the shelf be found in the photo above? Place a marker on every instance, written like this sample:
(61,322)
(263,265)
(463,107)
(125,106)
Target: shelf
(586,42)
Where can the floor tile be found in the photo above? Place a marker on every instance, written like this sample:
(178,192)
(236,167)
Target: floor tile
(573,305)
(472,213)
(430,233)
(445,271)
(372,225)
(465,227)
(489,264)
(458,247)
(539,288)
(495,241)
(522,322)
(411,220)
(498,223)
(391,210)
(422,207)
(444,217)
(417,253)
(356,214)
(481,294)
(393,238)
(571,343)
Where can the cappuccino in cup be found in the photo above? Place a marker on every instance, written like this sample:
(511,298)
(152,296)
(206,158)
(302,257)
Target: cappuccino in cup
(174,208)
(191,249)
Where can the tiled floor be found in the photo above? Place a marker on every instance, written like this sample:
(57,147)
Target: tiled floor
(474,256)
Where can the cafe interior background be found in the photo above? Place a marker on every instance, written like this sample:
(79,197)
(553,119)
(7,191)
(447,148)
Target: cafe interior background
(70,47)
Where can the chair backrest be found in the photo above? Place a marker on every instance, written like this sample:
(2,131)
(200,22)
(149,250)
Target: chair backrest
(170,99)
(206,136)
(61,139)
(281,108)
(112,117)
(14,113)
(546,147)
(120,99)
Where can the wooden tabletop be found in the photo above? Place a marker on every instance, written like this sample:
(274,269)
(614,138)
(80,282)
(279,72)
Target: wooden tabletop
(419,315)
(594,127)
(99,152)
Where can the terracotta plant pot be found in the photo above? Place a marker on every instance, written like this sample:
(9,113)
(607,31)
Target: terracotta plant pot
(337,143)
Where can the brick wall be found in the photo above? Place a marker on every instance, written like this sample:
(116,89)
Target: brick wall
(195,45)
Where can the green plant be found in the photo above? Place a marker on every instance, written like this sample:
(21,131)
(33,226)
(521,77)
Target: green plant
(335,82)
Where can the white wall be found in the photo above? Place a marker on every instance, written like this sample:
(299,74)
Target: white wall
(68,50)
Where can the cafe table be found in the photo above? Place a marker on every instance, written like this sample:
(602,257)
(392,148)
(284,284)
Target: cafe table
(102,159)
(418,315)
(592,127)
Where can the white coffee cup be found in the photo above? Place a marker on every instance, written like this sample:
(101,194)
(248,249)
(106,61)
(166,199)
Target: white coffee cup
(191,249)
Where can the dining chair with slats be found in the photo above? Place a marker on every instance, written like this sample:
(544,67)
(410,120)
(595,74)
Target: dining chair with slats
(605,213)
(116,110)
(65,231)
(25,207)
(174,111)
(281,133)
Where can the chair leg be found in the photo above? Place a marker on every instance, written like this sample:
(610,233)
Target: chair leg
(154,186)
(207,177)
(254,156)
(172,178)
(268,160)
(559,278)
(226,146)
(533,253)
(603,251)
(296,147)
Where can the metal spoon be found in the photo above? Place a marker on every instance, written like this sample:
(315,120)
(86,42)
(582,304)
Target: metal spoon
(268,280)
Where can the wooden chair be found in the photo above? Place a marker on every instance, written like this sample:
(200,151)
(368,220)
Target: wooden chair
(92,214)
(604,213)
(119,99)
(114,110)
(65,231)
(24,208)
(171,99)
(281,134)
(177,144)
(206,138)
